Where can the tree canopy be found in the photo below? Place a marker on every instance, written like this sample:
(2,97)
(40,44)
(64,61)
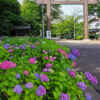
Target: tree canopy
(9,15)
(94,9)
(30,11)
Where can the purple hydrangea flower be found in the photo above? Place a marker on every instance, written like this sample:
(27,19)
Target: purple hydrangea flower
(82,85)
(6,46)
(41,91)
(88,96)
(94,80)
(10,50)
(18,89)
(32,46)
(72,73)
(44,52)
(44,77)
(45,70)
(64,97)
(52,59)
(72,57)
(48,65)
(22,46)
(90,77)
(37,75)
(75,52)
(18,76)
(29,85)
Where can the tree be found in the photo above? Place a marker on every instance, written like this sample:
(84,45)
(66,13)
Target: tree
(32,14)
(9,15)
(30,11)
(94,9)
(66,27)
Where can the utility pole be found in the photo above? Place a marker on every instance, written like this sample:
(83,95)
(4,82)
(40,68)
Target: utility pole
(42,20)
(74,26)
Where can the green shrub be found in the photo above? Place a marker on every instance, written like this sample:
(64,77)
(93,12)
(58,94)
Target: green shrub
(25,61)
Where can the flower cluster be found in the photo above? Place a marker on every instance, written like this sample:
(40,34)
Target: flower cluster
(7,64)
(82,85)
(72,73)
(44,77)
(90,77)
(64,97)
(41,91)
(41,70)
(32,60)
(63,52)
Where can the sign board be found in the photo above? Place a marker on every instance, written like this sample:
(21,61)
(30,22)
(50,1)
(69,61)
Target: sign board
(66,1)
(48,34)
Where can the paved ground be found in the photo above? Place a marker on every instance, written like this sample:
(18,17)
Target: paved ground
(88,61)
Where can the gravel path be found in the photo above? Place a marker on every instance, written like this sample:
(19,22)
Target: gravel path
(88,61)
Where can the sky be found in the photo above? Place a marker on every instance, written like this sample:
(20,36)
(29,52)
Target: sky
(69,9)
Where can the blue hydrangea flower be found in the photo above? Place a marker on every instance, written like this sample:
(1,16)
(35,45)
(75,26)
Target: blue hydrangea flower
(88,96)
(6,46)
(18,76)
(72,57)
(37,75)
(68,69)
(75,52)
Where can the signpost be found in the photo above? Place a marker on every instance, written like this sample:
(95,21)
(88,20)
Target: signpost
(82,2)
(48,34)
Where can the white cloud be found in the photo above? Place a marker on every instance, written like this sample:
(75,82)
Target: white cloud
(72,9)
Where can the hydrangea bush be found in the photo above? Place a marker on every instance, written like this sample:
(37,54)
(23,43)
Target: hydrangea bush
(41,70)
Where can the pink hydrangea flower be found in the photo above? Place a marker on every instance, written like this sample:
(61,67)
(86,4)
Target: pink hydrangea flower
(52,59)
(29,85)
(7,65)
(44,52)
(45,70)
(26,72)
(66,55)
(44,77)
(61,51)
(48,65)
(74,64)
(10,50)
(32,60)
(46,57)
